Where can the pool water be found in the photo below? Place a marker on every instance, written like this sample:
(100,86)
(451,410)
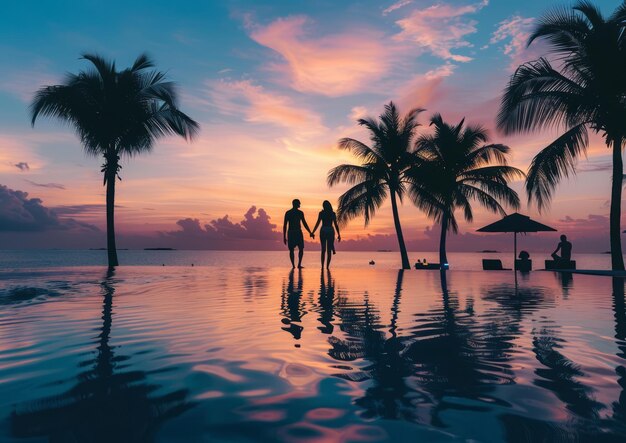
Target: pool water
(269,354)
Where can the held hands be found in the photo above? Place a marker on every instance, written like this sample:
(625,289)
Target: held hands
(312,234)
(339,238)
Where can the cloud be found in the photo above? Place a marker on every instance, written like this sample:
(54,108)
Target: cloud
(89,209)
(18,212)
(25,83)
(592,224)
(596,166)
(424,90)
(440,29)
(332,65)
(45,185)
(257,105)
(255,231)
(514,33)
(22,166)
(397,6)
(357,113)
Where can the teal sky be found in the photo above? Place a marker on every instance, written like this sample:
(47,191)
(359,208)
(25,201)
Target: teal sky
(274,85)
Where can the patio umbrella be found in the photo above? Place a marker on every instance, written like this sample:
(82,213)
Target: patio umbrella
(516,223)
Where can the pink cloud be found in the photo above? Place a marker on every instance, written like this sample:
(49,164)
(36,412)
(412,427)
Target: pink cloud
(332,65)
(440,29)
(425,90)
(257,105)
(514,33)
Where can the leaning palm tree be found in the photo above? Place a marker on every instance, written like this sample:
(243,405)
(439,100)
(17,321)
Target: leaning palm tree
(586,90)
(382,169)
(115,113)
(454,166)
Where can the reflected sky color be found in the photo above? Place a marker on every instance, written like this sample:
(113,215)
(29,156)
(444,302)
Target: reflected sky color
(274,86)
(266,353)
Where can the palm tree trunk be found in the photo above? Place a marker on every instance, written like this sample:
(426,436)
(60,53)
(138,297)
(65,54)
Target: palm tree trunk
(396,222)
(617,259)
(111,175)
(443,258)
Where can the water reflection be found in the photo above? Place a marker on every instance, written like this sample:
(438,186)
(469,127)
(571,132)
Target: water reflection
(386,367)
(566,281)
(107,404)
(326,302)
(619,313)
(465,356)
(292,306)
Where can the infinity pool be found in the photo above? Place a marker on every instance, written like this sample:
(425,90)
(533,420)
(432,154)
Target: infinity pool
(265,354)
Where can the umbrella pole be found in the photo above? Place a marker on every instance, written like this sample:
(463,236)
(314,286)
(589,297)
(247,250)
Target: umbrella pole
(514,249)
(515,258)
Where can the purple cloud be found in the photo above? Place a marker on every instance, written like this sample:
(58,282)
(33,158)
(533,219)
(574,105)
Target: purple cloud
(46,185)
(18,213)
(255,231)
(22,166)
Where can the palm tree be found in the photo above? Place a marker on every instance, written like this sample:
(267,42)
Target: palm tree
(454,166)
(585,91)
(382,170)
(115,113)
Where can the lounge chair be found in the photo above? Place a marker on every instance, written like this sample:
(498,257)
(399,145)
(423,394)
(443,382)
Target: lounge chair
(490,264)
(427,266)
(560,264)
(524,265)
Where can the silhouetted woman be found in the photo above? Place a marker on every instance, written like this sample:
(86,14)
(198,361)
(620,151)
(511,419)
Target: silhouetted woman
(328,218)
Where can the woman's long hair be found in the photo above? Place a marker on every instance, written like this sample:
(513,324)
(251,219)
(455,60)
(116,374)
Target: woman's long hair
(328,208)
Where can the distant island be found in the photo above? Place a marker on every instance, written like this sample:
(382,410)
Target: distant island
(489,251)
(384,250)
(159,249)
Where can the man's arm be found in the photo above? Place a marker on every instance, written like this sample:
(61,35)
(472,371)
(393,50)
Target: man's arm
(285,229)
(558,248)
(306,226)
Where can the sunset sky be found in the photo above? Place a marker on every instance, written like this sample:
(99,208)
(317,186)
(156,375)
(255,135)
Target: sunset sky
(273,85)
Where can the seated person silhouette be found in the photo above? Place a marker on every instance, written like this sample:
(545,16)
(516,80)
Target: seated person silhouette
(524,263)
(292,232)
(566,251)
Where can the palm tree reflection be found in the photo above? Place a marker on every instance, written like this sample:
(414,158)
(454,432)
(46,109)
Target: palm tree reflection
(619,313)
(386,369)
(106,404)
(457,355)
(447,354)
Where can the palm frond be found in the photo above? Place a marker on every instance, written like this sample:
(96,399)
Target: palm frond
(350,174)
(359,149)
(142,62)
(539,97)
(362,199)
(104,68)
(485,199)
(591,12)
(563,29)
(555,161)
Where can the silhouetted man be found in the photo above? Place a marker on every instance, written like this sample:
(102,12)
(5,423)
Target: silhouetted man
(293,236)
(566,250)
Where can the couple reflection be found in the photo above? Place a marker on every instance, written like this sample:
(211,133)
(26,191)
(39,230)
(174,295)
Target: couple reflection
(107,403)
(293,308)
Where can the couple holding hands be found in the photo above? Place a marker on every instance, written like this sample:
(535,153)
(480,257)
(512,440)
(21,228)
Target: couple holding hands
(293,237)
